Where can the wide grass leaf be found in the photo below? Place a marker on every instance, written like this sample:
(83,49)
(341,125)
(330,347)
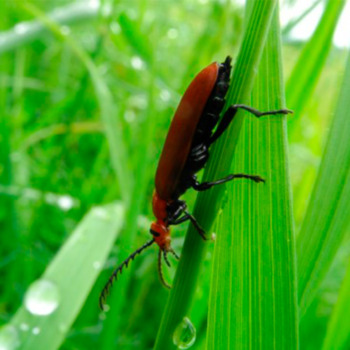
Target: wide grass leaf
(327,218)
(338,332)
(310,64)
(208,202)
(67,281)
(253,297)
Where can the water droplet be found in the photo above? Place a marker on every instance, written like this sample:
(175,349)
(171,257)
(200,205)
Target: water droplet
(106,9)
(106,307)
(115,28)
(165,95)
(9,339)
(24,327)
(36,330)
(63,328)
(136,62)
(94,4)
(185,334)
(65,202)
(102,316)
(65,30)
(101,213)
(97,265)
(42,298)
(21,28)
(172,33)
(129,116)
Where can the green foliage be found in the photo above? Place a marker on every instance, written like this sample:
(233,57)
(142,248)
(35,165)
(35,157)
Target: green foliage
(72,273)
(256,301)
(87,94)
(326,221)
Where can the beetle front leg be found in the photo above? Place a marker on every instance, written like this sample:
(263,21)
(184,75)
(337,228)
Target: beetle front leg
(194,222)
(206,185)
(175,210)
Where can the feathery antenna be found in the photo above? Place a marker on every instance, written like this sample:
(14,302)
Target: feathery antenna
(118,270)
(160,271)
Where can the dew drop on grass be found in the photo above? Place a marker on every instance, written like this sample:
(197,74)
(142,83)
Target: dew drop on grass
(185,334)
(21,28)
(24,327)
(42,298)
(9,339)
(36,330)
(97,265)
(101,213)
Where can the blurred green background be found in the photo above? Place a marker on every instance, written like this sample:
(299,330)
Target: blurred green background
(87,92)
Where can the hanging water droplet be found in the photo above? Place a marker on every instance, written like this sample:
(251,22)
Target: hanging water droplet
(9,339)
(42,298)
(185,334)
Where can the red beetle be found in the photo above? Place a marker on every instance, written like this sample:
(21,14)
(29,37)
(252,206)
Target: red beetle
(194,128)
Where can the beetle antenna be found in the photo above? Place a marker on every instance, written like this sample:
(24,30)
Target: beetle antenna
(172,251)
(160,271)
(166,258)
(119,270)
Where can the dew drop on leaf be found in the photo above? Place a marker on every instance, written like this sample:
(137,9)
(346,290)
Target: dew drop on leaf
(9,339)
(42,298)
(185,334)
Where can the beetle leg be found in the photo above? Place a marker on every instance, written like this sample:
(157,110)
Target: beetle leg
(166,258)
(224,123)
(179,220)
(172,251)
(194,222)
(231,112)
(206,185)
(258,113)
(175,210)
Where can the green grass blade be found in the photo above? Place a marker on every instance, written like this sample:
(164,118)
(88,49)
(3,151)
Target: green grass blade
(137,40)
(338,332)
(327,217)
(308,69)
(295,21)
(26,32)
(73,272)
(253,297)
(208,203)
(119,295)
(112,126)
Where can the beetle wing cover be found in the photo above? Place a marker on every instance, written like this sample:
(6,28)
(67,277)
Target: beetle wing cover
(182,129)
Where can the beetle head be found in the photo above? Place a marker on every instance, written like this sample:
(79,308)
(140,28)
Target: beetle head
(161,234)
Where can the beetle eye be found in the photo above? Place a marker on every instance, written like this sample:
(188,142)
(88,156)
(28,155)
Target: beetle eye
(154,233)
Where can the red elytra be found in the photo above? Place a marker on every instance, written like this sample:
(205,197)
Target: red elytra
(182,129)
(195,127)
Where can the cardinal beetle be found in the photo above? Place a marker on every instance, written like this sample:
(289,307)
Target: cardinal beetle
(194,128)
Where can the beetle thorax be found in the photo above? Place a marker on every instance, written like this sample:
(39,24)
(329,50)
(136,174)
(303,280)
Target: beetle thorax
(159,206)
